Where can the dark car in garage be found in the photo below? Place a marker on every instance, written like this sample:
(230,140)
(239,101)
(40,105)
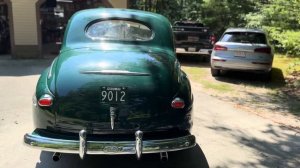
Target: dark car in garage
(4,37)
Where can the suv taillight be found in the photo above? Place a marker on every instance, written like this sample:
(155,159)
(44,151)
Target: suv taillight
(220,48)
(266,50)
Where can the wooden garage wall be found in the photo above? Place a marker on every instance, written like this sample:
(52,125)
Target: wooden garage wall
(119,3)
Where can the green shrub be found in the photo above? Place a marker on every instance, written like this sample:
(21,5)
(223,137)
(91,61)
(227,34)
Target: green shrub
(286,42)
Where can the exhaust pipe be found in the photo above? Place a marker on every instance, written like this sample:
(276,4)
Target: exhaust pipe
(56,157)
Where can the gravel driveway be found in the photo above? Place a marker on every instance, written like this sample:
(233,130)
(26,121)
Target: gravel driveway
(226,136)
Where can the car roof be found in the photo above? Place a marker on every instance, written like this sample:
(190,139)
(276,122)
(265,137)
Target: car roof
(244,30)
(75,34)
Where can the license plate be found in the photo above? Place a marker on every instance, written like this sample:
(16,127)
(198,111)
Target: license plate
(239,54)
(113,94)
(191,49)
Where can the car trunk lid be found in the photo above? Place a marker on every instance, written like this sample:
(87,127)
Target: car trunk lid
(246,51)
(91,86)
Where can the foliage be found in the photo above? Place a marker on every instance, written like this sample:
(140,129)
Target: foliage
(276,13)
(288,65)
(191,10)
(168,8)
(287,42)
(220,15)
(281,19)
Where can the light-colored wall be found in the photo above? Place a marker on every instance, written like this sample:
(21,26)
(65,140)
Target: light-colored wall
(118,3)
(24,20)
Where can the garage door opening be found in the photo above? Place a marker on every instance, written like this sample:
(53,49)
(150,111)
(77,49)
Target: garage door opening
(5,47)
(53,21)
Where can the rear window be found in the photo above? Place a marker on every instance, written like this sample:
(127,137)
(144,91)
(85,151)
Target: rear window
(244,37)
(120,30)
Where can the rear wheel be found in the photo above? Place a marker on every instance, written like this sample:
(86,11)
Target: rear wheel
(215,72)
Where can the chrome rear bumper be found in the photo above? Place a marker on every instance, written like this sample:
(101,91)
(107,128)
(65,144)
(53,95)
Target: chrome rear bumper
(83,146)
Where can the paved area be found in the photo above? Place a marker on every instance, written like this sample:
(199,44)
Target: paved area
(226,136)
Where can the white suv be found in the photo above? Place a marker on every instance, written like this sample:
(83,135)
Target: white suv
(243,50)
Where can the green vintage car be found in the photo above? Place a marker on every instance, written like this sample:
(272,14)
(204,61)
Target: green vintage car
(115,88)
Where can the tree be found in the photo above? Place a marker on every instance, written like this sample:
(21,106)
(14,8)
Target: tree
(281,19)
(220,15)
(168,8)
(191,10)
(277,13)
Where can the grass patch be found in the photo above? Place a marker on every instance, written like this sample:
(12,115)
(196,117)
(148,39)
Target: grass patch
(195,73)
(286,64)
(200,75)
(251,90)
(195,70)
(282,67)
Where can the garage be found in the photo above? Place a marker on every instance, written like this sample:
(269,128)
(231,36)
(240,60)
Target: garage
(54,16)
(34,28)
(5,48)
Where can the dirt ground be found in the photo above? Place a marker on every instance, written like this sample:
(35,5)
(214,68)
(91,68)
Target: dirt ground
(227,136)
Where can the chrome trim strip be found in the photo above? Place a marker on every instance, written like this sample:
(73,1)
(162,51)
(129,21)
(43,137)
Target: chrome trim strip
(115,72)
(112,117)
(51,68)
(109,147)
(241,50)
(82,144)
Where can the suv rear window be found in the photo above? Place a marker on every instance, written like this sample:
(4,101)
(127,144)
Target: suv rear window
(121,30)
(244,37)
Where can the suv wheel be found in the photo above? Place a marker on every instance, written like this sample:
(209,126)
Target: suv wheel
(215,72)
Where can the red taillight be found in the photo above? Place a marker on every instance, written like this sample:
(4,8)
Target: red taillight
(266,50)
(178,103)
(220,48)
(45,100)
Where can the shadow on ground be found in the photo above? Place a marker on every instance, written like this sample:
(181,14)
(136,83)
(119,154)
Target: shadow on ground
(282,150)
(254,79)
(277,100)
(194,60)
(191,158)
(18,67)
